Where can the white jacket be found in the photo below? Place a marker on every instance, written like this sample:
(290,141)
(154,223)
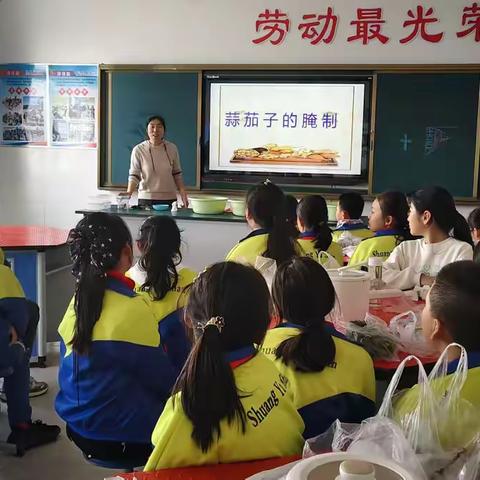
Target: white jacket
(411,258)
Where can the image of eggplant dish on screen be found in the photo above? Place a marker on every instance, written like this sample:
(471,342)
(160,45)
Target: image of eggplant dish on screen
(285,155)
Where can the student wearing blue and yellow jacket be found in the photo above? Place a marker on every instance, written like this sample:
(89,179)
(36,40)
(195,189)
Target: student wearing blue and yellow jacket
(230,403)
(159,279)
(315,235)
(114,374)
(271,235)
(452,315)
(330,377)
(388,221)
(350,229)
(17,333)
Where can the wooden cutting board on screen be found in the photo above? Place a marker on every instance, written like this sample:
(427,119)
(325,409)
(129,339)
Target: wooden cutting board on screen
(273,154)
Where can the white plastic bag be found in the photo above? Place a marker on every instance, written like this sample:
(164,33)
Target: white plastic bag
(432,431)
(407,328)
(267,267)
(326,260)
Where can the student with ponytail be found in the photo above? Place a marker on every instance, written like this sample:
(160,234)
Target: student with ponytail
(158,277)
(271,234)
(315,234)
(331,378)
(114,375)
(446,239)
(388,221)
(230,403)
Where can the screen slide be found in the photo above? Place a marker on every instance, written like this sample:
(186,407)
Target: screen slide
(304,128)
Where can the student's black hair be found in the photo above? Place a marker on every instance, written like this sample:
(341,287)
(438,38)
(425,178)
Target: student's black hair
(228,308)
(303,294)
(440,204)
(95,244)
(291,204)
(155,117)
(312,211)
(266,204)
(395,205)
(352,203)
(474,222)
(159,242)
(454,301)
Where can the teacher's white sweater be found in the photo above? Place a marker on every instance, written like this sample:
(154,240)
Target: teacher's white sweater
(411,258)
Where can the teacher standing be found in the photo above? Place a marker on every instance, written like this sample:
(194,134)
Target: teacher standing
(155,168)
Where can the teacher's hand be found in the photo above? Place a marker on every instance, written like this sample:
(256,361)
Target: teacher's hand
(124,194)
(183,194)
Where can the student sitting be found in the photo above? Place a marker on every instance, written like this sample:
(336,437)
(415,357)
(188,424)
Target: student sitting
(230,403)
(36,388)
(17,333)
(452,314)
(291,204)
(330,377)
(315,234)
(432,216)
(474,224)
(114,375)
(270,237)
(157,275)
(388,222)
(350,230)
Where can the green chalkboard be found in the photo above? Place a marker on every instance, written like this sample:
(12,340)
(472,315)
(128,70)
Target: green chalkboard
(129,98)
(425,132)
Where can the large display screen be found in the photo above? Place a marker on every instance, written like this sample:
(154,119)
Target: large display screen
(294,128)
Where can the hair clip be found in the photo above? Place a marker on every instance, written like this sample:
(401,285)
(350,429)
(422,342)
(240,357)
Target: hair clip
(267,182)
(217,322)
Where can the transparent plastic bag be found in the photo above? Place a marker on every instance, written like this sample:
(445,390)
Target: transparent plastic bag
(459,420)
(267,267)
(374,336)
(434,435)
(407,328)
(441,426)
(326,260)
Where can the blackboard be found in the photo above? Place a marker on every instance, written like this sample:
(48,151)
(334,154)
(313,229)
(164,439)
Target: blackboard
(425,132)
(129,98)
(425,128)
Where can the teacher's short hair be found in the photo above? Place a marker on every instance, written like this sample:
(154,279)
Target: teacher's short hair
(156,117)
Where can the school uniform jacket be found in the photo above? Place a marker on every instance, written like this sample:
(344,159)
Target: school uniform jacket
(117,391)
(169,314)
(13,313)
(307,242)
(344,390)
(253,245)
(380,245)
(358,230)
(273,428)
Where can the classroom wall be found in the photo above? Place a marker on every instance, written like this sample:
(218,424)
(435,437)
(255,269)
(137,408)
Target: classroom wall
(45,186)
